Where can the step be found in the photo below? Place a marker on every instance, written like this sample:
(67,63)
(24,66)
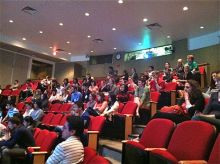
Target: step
(111,149)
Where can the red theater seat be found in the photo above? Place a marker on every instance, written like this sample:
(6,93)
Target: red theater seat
(55,107)
(156,134)
(47,118)
(66,107)
(191,140)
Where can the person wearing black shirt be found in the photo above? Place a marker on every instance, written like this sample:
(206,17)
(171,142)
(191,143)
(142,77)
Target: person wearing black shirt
(21,138)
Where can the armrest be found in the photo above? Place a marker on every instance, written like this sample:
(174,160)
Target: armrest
(39,157)
(153,108)
(35,147)
(193,162)
(150,149)
(93,132)
(128,126)
(128,115)
(124,141)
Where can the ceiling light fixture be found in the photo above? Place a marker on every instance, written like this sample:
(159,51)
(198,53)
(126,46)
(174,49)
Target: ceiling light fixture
(91,51)
(61,24)
(113,29)
(115,48)
(87,14)
(145,19)
(41,32)
(120,1)
(201,27)
(68,42)
(139,43)
(69,53)
(11,21)
(50,47)
(168,36)
(24,39)
(54,53)
(185,8)
(89,36)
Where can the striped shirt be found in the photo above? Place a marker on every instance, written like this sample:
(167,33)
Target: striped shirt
(70,151)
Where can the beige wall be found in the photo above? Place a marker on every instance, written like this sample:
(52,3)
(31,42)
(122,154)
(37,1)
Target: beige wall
(12,66)
(64,70)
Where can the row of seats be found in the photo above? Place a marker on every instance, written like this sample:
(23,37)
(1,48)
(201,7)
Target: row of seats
(163,142)
(51,119)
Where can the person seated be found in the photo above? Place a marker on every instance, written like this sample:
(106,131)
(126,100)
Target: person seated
(28,109)
(134,75)
(167,66)
(15,85)
(123,93)
(112,107)
(76,96)
(20,140)
(29,123)
(142,95)
(125,75)
(11,111)
(66,84)
(28,91)
(4,133)
(112,88)
(156,83)
(213,81)
(93,88)
(54,97)
(168,76)
(179,68)
(211,113)
(71,150)
(194,68)
(193,102)
(37,112)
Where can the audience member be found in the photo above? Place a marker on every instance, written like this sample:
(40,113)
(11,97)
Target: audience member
(134,75)
(28,109)
(15,85)
(11,111)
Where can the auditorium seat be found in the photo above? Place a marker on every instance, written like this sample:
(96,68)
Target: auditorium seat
(154,97)
(6,92)
(171,87)
(121,106)
(66,107)
(56,119)
(156,134)
(55,107)
(191,140)
(44,141)
(95,127)
(47,118)
(214,157)
(21,107)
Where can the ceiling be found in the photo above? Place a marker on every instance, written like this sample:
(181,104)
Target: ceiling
(131,32)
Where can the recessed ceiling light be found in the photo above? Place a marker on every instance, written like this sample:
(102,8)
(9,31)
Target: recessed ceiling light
(87,14)
(139,43)
(41,32)
(68,42)
(120,1)
(115,48)
(201,27)
(113,29)
(145,19)
(168,36)
(11,21)
(24,39)
(50,47)
(61,24)
(69,53)
(91,51)
(54,53)
(89,36)
(185,8)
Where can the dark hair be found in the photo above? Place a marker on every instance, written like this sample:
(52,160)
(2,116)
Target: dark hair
(75,123)
(10,103)
(212,82)
(196,90)
(38,102)
(93,81)
(29,120)
(14,120)
(152,67)
(113,98)
(93,96)
(101,94)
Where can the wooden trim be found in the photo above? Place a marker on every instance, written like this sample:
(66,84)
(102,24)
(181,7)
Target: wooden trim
(173,97)
(153,108)
(93,140)
(193,162)
(202,80)
(128,126)
(39,157)
(151,149)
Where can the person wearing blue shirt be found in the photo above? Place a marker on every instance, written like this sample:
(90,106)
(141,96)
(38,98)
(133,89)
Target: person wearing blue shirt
(11,111)
(76,96)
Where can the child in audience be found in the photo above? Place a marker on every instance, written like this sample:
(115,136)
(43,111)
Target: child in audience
(11,111)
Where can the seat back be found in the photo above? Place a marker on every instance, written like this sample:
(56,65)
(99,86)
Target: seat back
(96,123)
(89,154)
(20,106)
(56,119)
(16,92)
(170,86)
(207,100)
(65,107)
(120,108)
(36,132)
(129,108)
(6,92)
(157,133)
(192,140)
(55,107)
(47,118)
(39,140)
(215,154)
(202,70)
(154,96)
(49,141)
